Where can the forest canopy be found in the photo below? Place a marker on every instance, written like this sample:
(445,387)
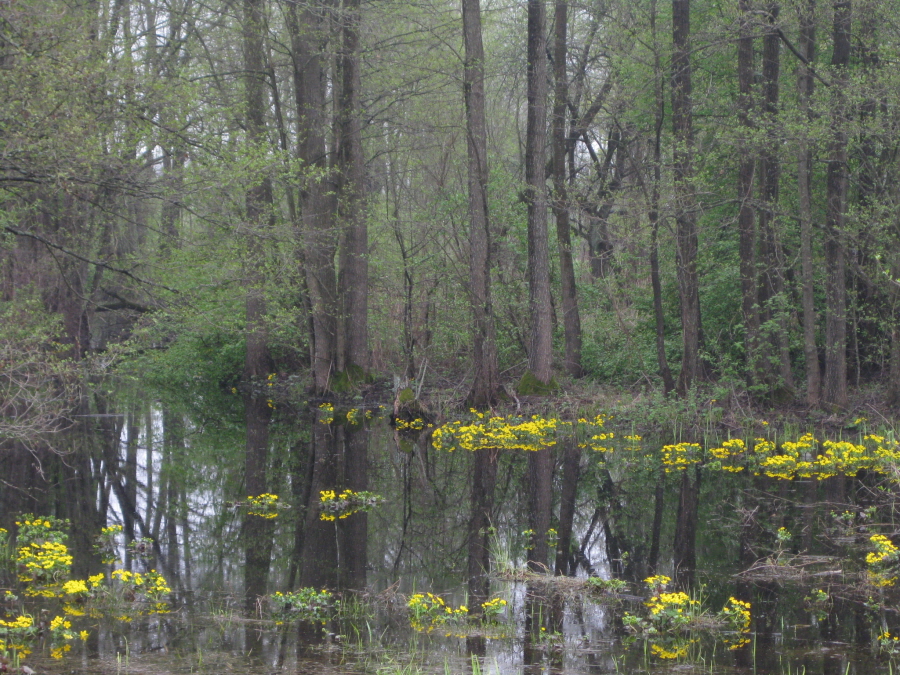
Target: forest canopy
(494,193)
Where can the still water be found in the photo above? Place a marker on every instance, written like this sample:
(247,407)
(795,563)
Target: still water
(237,498)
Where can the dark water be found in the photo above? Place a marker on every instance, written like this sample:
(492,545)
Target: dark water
(180,476)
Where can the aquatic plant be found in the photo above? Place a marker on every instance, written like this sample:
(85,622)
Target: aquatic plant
(335,506)
(304,604)
(881,561)
(429,611)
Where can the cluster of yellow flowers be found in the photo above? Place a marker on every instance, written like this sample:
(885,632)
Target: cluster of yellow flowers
(680,456)
(41,565)
(884,550)
(737,613)
(263,506)
(334,506)
(885,553)
(327,413)
(429,611)
(677,651)
(23,621)
(497,432)
(152,584)
(415,425)
(663,602)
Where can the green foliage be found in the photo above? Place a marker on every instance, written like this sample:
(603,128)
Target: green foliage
(304,604)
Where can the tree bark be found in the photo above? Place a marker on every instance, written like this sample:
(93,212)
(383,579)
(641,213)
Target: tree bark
(540,353)
(257,537)
(686,208)
(660,113)
(353,279)
(805,84)
(835,385)
(685,561)
(259,195)
(487,372)
(746,215)
(772,302)
(316,189)
(570,474)
(540,501)
(484,479)
(571,316)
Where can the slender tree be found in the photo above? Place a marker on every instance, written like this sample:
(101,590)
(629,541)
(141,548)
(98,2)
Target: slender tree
(540,353)
(487,375)
(746,215)
(805,85)
(685,198)
(835,385)
(353,279)
(571,316)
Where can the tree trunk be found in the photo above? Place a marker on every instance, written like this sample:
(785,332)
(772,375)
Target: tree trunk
(316,190)
(805,84)
(746,215)
(540,500)
(571,473)
(660,112)
(257,531)
(685,561)
(571,316)
(353,280)
(540,353)
(484,478)
(772,300)
(353,531)
(487,372)
(257,536)
(259,195)
(685,207)
(835,385)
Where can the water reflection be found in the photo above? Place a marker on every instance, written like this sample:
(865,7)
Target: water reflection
(453,523)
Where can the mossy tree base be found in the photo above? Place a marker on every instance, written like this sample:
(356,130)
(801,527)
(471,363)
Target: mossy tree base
(348,380)
(529,385)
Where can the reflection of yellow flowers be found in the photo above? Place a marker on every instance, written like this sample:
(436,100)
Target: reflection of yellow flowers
(676,653)
(84,635)
(884,550)
(334,506)
(263,506)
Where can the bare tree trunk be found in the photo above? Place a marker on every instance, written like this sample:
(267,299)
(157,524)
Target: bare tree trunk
(259,195)
(660,112)
(772,301)
(686,529)
(353,531)
(487,372)
(484,479)
(317,202)
(540,353)
(835,385)
(571,316)
(805,84)
(353,279)
(257,536)
(686,208)
(570,474)
(746,215)
(540,497)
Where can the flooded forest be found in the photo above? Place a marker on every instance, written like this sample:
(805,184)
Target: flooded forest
(400,337)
